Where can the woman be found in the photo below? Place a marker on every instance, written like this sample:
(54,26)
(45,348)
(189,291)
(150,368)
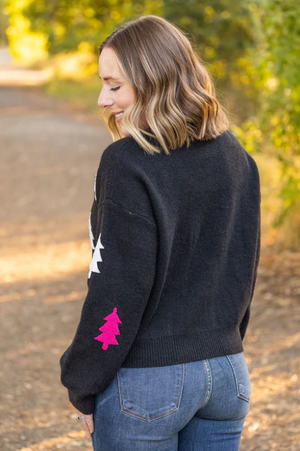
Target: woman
(157,360)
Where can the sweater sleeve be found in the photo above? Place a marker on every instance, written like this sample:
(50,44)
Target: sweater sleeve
(121,277)
(246,317)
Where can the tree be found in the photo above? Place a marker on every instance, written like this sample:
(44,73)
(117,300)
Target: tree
(96,257)
(109,330)
(61,26)
(274,129)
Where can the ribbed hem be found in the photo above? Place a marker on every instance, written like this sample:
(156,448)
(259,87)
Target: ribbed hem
(175,349)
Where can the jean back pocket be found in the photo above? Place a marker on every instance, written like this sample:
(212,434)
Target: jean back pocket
(241,375)
(152,392)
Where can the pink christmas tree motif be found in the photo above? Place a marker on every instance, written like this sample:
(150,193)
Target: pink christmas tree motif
(109,330)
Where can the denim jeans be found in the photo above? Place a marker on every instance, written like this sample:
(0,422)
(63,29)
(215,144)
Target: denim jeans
(194,406)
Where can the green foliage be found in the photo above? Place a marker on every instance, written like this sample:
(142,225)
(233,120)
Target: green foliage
(277,65)
(222,33)
(68,23)
(25,44)
(218,29)
(3,26)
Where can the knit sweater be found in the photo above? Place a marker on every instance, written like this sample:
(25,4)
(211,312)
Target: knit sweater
(175,243)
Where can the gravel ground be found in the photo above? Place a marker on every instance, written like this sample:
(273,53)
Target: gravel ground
(49,156)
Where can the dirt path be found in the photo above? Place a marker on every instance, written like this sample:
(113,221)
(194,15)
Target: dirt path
(49,155)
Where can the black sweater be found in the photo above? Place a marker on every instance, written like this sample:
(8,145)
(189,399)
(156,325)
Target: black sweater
(175,249)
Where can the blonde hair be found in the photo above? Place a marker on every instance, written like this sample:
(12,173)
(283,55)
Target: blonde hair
(174,91)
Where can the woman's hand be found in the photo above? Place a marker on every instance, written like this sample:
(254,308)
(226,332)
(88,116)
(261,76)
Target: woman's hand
(88,424)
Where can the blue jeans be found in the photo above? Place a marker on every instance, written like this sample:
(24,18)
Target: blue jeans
(194,406)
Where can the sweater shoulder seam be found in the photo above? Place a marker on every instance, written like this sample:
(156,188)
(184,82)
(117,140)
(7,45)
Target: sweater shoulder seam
(128,211)
(108,197)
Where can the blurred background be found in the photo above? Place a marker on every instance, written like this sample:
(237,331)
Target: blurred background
(51,141)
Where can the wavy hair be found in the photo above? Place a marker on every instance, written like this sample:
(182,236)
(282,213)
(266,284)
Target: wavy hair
(174,91)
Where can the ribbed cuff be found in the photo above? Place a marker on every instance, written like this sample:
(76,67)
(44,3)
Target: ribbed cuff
(84,405)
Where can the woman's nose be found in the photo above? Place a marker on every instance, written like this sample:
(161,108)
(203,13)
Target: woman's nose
(104,99)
